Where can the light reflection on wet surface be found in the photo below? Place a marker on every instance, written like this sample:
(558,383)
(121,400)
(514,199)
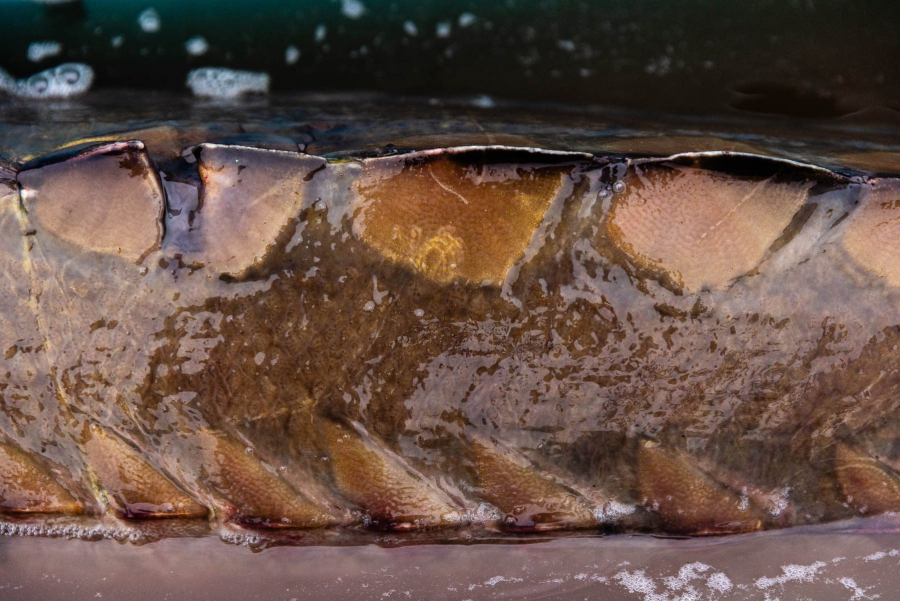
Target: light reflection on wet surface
(472,342)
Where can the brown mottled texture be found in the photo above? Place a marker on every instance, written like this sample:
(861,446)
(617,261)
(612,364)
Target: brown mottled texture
(132,487)
(440,338)
(689,501)
(253,492)
(529,500)
(390,494)
(870,487)
(26,487)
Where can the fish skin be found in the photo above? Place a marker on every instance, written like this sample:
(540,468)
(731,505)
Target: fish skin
(573,350)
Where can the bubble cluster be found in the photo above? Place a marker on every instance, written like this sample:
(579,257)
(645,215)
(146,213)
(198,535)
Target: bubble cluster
(213,82)
(64,81)
(72,531)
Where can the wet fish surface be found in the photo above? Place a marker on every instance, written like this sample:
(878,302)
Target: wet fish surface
(455,340)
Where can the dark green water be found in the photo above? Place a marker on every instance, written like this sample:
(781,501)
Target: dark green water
(821,58)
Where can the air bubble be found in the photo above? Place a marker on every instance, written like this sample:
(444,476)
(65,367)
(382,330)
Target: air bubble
(466,19)
(291,55)
(149,21)
(38,51)
(619,187)
(352,9)
(196,45)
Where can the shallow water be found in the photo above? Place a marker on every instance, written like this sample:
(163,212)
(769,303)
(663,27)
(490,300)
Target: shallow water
(823,565)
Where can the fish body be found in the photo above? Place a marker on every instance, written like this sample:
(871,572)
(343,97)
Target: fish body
(465,339)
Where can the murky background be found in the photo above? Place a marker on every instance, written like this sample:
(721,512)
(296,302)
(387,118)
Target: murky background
(803,58)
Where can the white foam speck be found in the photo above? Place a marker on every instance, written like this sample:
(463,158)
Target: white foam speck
(149,20)
(858,591)
(320,33)
(38,51)
(291,55)
(484,514)
(243,539)
(419,312)
(213,82)
(612,511)
(64,81)
(686,574)
(352,9)
(410,28)
(498,579)
(196,45)
(73,531)
(875,556)
(442,29)
(790,573)
(466,19)
(719,582)
(636,582)
(117,41)
(779,502)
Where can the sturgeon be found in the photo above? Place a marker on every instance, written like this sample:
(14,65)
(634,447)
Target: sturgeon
(455,341)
